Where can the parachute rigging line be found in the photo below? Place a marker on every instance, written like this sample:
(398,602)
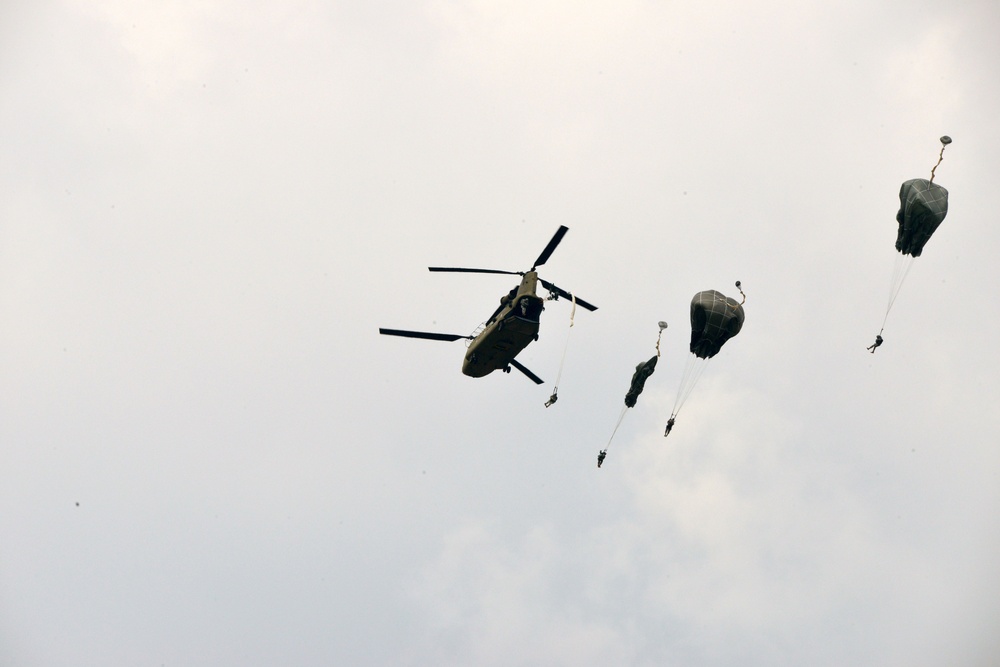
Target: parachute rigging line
(901,269)
(617,424)
(693,368)
(555,388)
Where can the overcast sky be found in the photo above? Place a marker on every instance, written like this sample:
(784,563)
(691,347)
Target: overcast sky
(208,455)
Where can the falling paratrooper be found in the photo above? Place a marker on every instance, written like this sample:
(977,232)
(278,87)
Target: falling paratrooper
(715,318)
(642,372)
(923,205)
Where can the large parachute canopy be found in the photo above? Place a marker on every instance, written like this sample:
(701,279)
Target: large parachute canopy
(922,207)
(715,318)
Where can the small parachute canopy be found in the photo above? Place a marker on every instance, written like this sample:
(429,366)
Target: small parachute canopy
(642,371)
(922,207)
(715,318)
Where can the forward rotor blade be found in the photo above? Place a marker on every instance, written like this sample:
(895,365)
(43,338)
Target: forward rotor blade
(566,295)
(446,269)
(556,238)
(531,376)
(422,334)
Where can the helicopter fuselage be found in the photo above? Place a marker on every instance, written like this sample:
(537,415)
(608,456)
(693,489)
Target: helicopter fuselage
(511,328)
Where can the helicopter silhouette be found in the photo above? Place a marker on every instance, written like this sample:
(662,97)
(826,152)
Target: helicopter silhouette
(511,327)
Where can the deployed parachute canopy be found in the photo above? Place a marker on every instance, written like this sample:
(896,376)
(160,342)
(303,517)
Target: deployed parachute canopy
(715,318)
(922,207)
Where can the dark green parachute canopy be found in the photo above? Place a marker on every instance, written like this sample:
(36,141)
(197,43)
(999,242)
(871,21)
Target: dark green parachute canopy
(922,207)
(642,371)
(715,318)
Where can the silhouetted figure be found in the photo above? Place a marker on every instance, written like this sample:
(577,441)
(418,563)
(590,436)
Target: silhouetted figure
(670,425)
(600,457)
(878,341)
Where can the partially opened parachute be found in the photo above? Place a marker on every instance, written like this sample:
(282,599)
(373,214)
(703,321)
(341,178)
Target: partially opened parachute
(715,318)
(642,372)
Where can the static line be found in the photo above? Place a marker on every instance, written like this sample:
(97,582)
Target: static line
(555,387)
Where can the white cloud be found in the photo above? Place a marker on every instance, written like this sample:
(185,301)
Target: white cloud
(211,208)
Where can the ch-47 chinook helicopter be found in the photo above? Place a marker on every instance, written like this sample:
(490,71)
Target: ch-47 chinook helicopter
(511,327)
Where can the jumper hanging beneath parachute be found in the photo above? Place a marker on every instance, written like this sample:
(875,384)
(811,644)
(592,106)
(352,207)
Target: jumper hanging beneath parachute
(642,372)
(715,318)
(923,205)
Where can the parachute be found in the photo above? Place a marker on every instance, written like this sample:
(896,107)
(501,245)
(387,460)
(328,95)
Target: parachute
(923,206)
(715,318)
(642,372)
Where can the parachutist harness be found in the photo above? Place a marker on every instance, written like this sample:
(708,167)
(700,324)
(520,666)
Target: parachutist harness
(572,313)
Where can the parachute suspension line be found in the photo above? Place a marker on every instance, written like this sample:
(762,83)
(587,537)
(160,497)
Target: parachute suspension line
(555,388)
(945,140)
(693,368)
(901,269)
(617,424)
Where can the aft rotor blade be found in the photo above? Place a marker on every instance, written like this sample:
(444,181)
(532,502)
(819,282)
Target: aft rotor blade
(446,269)
(422,334)
(531,376)
(556,238)
(566,295)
